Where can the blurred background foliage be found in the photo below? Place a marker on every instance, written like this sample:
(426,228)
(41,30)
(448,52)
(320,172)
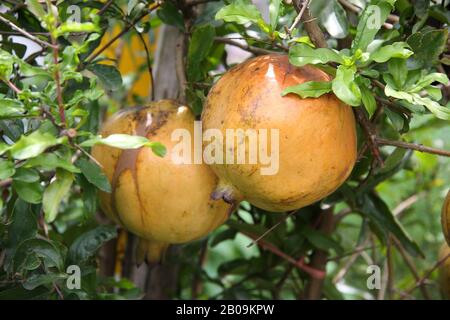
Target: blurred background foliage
(35,252)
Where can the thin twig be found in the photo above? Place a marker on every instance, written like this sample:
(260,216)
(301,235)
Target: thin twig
(26,33)
(370,133)
(412,268)
(272,228)
(314,273)
(299,16)
(5,183)
(311,26)
(149,66)
(428,274)
(120,34)
(180,66)
(105,7)
(243,46)
(412,146)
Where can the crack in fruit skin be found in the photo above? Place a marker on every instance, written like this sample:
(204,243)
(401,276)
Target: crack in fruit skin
(317,135)
(159,201)
(446,218)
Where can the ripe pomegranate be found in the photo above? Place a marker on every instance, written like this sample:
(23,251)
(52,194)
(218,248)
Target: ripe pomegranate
(158,200)
(446,218)
(317,138)
(444,271)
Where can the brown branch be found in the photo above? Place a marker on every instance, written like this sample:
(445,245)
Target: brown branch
(299,16)
(314,273)
(319,258)
(412,268)
(353,8)
(120,34)
(271,228)
(428,274)
(370,133)
(311,26)
(180,66)
(105,7)
(5,183)
(246,47)
(26,33)
(413,146)
(149,66)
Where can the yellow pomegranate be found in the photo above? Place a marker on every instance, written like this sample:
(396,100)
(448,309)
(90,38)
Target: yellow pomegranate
(446,218)
(444,271)
(158,200)
(316,140)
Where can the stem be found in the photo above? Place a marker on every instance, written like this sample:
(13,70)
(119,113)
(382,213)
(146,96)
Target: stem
(299,16)
(149,66)
(412,268)
(246,47)
(26,33)
(311,26)
(413,146)
(319,258)
(5,183)
(370,134)
(123,32)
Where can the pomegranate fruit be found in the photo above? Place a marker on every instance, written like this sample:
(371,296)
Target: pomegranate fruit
(317,138)
(446,218)
(444,271)
(160,201)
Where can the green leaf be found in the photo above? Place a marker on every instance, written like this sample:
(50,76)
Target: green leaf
(370,23)
(428,45)
(170,15)
(33,145)
(24,223)
(37,280)
(332,16)
(242,12)
(274,11)
(6,64)
(29,192)
(55,193)
(399,71)
(368,100)
(70,26)
(345,88)
(35,7)
(310,89)
(50,161)
(201,42)
(108,75)
(377,210)
(158,149)
(26,175)
(86,245)
(395,50)
(439,111)
(41,249)
(125,141)
(10,107)
(94,174)
(6,169)
(302,54)
(427,80)
(322,241)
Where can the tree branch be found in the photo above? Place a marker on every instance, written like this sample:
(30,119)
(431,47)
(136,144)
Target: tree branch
(246,47)
(412,146)
(370,133)
(26,34)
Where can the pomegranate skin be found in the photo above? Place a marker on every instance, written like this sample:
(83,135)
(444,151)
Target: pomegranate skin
(160,201)
(317,136)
